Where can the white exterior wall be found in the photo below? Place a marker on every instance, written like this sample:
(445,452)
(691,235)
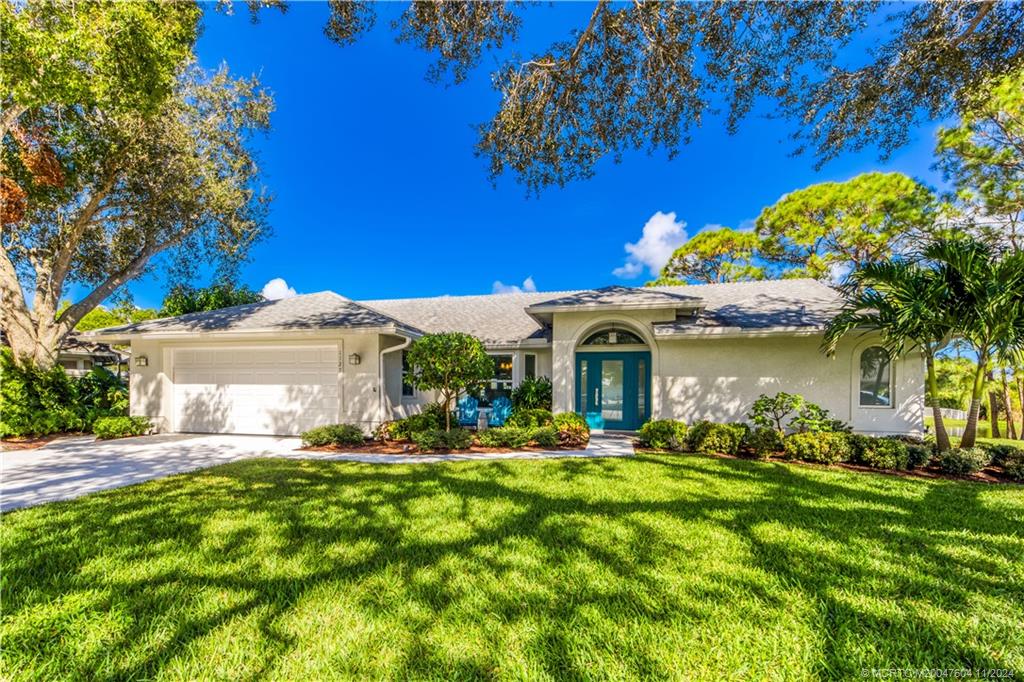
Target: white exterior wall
(152,389)
(719,378)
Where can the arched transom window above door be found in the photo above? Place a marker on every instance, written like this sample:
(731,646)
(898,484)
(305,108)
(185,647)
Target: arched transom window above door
(613,337)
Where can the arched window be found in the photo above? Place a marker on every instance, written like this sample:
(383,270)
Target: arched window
(875,377)
(613,337)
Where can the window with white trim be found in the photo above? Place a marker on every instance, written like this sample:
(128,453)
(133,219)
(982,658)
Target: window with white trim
(407,388)
(875,378)
(529,366)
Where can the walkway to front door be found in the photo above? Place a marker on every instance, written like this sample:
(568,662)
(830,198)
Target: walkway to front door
(613,390)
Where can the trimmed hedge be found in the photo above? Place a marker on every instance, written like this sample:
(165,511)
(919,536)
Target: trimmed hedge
(664,434)
(106,428)
(504,437)
(439,439)
(963,461)
(826,447)
(545,436)
(530,418)
(572,428)
(430,419)
(333,434)
(709,438)
(763,441)
(880,453)
(1000,452)
(1013,464)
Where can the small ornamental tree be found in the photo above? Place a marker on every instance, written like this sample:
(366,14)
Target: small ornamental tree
(449,363)
(773,411)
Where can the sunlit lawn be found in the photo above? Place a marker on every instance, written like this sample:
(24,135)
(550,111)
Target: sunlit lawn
(655,566)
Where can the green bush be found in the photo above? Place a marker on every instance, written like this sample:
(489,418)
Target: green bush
(530,418)
(573,431)
(333,434)
(1013,464)
(121,427)
(826,447)
(1000,451)
(919,455)
(504,437)
(664,434)
(545,436)
(430,419)
(880,453)
(387,431)
(708,437)
(963,461)
(795,411)
(763,441)
(532,394)
(439,439)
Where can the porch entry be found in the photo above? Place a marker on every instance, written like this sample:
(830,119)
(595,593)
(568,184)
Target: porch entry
(613,390)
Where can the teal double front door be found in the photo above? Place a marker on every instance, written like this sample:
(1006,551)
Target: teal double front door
(613,390)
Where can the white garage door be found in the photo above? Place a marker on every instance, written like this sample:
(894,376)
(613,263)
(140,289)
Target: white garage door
(255,390)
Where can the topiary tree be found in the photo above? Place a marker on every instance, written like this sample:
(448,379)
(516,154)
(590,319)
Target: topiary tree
(449,363)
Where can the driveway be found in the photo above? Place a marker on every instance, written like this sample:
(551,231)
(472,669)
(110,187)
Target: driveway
(71,467)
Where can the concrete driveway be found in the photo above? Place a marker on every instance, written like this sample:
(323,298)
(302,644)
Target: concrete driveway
(71,467)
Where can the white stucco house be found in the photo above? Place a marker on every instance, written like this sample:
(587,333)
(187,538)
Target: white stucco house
(628,354)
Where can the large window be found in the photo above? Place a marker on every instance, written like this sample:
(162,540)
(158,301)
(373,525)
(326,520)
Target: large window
(529,366)
(501,384)
(407,389)
(875,378)
(613,337)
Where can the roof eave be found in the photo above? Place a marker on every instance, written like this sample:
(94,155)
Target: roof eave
(737,332)
(191,334)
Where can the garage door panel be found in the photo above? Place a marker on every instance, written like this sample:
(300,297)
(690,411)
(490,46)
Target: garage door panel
(246,390)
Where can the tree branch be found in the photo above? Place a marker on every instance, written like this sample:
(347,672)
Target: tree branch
(983,10)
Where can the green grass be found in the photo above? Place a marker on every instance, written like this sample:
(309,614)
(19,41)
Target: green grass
(984,431)
(655,566)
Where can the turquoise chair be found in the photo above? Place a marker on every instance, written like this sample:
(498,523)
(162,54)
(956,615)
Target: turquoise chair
(501,409)
(469,410)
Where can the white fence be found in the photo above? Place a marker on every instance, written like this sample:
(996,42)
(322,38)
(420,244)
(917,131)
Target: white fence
(953,414)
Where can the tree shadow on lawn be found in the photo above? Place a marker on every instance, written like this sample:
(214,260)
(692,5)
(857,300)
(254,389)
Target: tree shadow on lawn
(569,569)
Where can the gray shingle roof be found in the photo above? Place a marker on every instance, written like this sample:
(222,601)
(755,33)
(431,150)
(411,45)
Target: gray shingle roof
(617,295)
(323,310)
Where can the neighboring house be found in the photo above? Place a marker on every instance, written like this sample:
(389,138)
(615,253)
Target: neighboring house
(619,354)
(78,356)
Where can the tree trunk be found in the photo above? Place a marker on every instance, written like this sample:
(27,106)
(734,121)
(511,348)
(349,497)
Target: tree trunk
(1011,428)
(941,437)
(1020,398)
(33,340)
(971,428)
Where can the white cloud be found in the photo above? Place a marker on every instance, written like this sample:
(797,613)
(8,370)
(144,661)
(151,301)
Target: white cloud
(662,235)
(747,225)
(500,287)
(276,289)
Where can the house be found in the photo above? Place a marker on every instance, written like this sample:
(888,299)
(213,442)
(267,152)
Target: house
(78,356)
(621,353)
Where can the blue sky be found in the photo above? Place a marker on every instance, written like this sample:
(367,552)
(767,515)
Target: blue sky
(378,192)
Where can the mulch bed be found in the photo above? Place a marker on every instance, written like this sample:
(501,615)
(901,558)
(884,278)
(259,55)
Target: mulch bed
(395,448)
(33,442)
(989,474)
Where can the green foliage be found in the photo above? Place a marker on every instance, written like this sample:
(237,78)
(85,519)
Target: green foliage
(532,394)
(709,438)
(663,434)
(333,434)
(449,363)
(440,439)
(505,437)
(101,393)
(722,255)
(824,447)
(774,411)
(881,453)
(919,454)
(1013,464)
(1000,452)
(763,441)
(106,428)
(831,224)
(573,431)
(545,436)
(530,418)
(183,299)
(815,419)
(432,417)
(963,461)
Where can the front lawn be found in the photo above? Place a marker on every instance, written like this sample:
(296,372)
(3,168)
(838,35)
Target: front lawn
(655,566)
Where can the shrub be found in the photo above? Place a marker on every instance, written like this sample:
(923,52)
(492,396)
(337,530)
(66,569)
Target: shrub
(545,436)
(919,454)
(532,394)
(763,441)
(572,428)
(504,437)
(708,437)
(826,447)
(802,416)
(449,363)
(386,431)
(121,427)
(431,418)
(665,434)
(333,434)
(439,439)
(963,461)
(880,453)
(530,418)
(813,418)
(1013,464)
(1000,451)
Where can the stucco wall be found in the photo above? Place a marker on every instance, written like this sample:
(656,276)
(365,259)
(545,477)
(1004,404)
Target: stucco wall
(719,378)
(152,390)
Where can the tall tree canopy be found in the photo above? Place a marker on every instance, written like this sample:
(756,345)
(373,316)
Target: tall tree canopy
(127,151)
(183,299)
(722,255)
(646,74)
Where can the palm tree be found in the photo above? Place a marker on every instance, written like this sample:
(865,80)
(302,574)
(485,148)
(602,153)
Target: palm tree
(987,294)
(909,304)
